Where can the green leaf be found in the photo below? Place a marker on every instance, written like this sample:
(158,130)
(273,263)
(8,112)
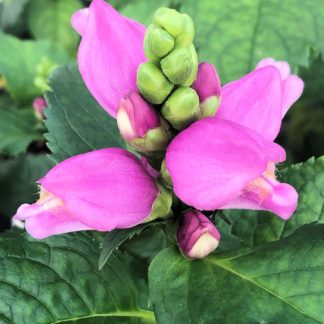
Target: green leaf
(76,122)
(235,35)
(57,280)
(10,14)
(19,61)
(255,227)
(18,128)
(115,238)
(50,19)
(280,282)
(17,180)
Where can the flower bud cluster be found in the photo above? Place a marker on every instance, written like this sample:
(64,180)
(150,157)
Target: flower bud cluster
(174,91)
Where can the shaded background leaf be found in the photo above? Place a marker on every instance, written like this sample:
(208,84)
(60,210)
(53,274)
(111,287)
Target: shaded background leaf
(17,181)
(19,64)
(50,19)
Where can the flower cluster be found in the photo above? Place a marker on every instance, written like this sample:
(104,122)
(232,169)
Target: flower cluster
(204,146)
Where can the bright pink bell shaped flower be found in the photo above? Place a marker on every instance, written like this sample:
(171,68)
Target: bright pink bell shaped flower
(100,190)
(228,161)
(215,162)
(197,236)
(110,52)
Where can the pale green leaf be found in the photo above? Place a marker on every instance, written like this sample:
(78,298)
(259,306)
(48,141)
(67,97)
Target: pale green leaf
(235,35)
(50,19)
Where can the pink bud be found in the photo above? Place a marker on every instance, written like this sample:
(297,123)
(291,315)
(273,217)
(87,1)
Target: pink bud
(207,83)
(38,105)
(197,236)
(135,117)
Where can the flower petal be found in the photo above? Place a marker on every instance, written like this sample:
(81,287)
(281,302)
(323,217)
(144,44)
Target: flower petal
(292,85)
(41,224)
(254,101)
(282,66)
(110,52)
(211,162)
(282,201)
(292,89)
(79,20)
(103,189)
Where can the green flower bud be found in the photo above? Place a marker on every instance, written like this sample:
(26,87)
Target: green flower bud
(157,41)
(178,65)
(165,175)
(162,204)
(179,26)
(152,83)
(181,108)
(169,19)
(185,38)
(209,107)
(194,70)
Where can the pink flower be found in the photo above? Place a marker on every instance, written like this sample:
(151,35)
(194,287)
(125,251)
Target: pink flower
(135,117)
(100,190)
(229,161)
(197,236)
(38,105)
(207,83)
(110,52)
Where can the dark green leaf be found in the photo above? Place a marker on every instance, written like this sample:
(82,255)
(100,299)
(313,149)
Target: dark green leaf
(115,238)
(18,128)
(57,280)
(19,60)
(75,121)
(255,227)
(10,14)
(280,282)
(50,19)
(17,180)
(235,35)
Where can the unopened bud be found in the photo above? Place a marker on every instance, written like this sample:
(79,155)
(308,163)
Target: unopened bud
(197,236)
(140,125)
(38,105)
(208,87)
(165,175)
(152,83)
(157,42)
(181,108)
(194,71)
(162,204)
(179,26)
(178,65)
